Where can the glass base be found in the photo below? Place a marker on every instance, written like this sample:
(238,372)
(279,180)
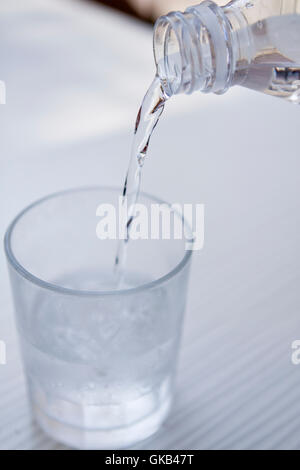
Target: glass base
(93,439)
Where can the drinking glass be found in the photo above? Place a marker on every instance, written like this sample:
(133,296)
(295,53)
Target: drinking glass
(99,359)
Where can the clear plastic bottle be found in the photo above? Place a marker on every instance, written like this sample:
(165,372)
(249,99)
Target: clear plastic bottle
(252,43)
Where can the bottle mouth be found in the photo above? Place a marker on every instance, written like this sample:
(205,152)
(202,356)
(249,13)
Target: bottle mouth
(183,52)
(192,50)
(168,53)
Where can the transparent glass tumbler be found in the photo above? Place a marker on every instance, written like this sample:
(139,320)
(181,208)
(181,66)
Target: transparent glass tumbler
(99,361)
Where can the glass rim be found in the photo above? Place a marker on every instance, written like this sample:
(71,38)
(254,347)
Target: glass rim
(89,293)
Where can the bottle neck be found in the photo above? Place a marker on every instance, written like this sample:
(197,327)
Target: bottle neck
(195,50)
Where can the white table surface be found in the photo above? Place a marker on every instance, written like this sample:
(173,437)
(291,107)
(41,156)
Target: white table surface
(75,74)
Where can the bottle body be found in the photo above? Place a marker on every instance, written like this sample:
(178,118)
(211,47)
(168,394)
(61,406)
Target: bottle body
(254,43)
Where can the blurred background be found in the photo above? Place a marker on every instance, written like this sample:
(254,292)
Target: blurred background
(75,73)
(148,10)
